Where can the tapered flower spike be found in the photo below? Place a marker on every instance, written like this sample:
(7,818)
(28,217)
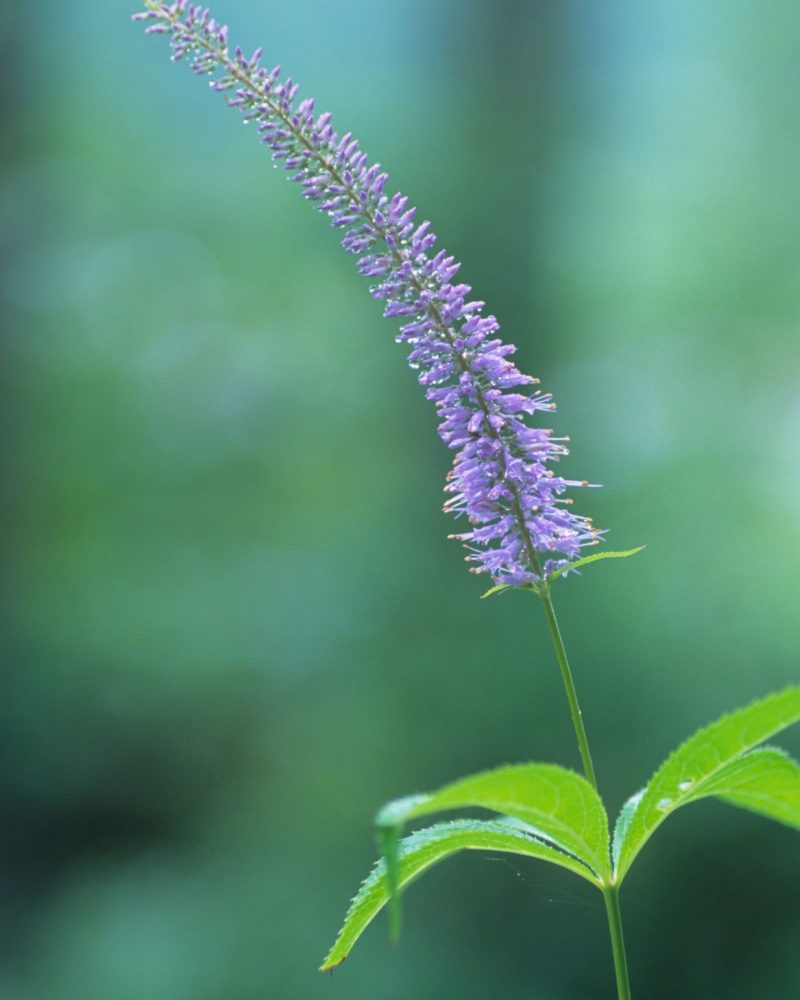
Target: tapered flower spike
(501,480)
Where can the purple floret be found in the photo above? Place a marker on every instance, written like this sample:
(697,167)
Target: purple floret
(501,480)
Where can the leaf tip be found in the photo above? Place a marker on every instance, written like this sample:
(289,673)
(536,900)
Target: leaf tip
(330,966)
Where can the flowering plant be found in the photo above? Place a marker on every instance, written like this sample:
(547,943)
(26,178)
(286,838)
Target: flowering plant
(520,531)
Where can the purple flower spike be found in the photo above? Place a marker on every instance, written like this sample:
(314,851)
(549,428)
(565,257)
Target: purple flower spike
(501,480)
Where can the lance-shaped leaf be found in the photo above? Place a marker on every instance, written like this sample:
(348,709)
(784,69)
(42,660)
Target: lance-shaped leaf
(765,781)
(693,770)
(425,848)
(576,565)
(597,557)
(560,805)
(501,588)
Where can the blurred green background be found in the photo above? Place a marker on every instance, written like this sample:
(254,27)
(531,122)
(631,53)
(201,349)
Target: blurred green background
(233,625)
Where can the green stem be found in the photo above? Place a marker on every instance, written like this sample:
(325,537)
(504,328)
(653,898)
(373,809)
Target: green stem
(611,896)
(610,892)
(569,685)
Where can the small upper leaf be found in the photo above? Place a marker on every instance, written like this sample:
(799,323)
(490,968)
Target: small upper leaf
(558,804)
(692,771)
(499,590)
(590,559)
(423,849)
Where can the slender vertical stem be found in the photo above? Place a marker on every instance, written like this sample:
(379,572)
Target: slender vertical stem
(610,892)
(569,685)
(611,896)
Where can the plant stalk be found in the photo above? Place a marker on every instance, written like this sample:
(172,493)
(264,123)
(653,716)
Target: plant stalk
(610,892)
(569,686)
(611,896)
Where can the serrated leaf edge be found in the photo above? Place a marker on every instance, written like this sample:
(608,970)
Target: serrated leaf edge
(418,837)
(398,812)
(695,792)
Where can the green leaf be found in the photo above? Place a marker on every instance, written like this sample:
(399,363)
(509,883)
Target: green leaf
(590,559)
(691,771)
(423,849)
(560,805)
(623,822)
(497,590)
(765,781)
(564,569)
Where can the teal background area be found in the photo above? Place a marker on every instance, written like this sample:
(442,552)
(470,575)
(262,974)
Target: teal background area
(233,625)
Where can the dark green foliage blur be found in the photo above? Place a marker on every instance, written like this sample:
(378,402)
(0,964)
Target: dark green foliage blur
(232,623)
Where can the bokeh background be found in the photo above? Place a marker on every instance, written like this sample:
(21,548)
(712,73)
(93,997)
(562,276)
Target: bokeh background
(233,625)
